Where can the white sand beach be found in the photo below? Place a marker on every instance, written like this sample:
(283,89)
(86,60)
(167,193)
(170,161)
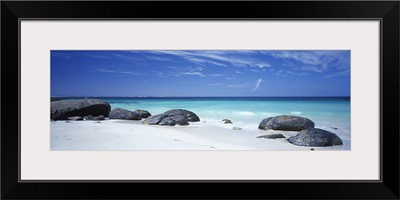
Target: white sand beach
(132,135)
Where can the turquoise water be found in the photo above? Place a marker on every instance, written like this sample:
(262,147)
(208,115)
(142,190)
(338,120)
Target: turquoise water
(329,113)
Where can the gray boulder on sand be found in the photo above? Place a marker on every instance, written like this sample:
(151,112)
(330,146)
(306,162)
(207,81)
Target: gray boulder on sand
(272,136)
(189,115)
(154,119)
(143,113)
(315,137)
(286,123)
(172,118)
(119,113)
(263,123)
(62,109)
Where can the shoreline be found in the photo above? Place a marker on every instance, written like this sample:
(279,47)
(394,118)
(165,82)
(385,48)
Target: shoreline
(126,135)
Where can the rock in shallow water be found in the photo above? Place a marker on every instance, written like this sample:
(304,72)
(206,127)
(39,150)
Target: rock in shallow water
(119,113)
(227,121)
(237,128)
(62,109)
(315,137)
(172,117)
(286,123)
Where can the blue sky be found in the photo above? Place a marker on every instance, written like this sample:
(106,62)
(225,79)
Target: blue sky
(200,73)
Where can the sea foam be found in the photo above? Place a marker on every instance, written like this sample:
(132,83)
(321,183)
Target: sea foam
(296,113)
(246,113)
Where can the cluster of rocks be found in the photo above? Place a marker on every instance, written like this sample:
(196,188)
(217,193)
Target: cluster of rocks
(228,121)
(91,109)
(94,109)
(308,135)
(64,109)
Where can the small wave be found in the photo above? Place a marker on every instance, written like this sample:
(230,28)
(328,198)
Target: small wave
(296,113)
(246,113)
(267,114)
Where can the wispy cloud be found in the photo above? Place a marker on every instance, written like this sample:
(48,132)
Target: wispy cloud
(181,71)
(158,58)
(286,73)
(279,72)
(160,74)
(262,65)
(217,75)
(119,72)
(116,55)
(238,72)
(258,82)
(308,57)
(302,74)
(219,58)
(96,55)
(217,63)
(314,61)
(125,57)
(215,84)
(342,73)
(194,73)
(61,55)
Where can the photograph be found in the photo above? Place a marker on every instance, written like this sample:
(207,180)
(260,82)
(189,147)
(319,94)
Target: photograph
(273,100)
(264,100)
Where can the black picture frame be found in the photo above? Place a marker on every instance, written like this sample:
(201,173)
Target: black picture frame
(386,11)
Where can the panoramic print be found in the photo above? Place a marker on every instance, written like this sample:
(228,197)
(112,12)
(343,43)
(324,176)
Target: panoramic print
(276,100)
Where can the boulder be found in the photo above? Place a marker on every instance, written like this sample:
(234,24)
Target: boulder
(143,113)
(174,120)
(286,123)
(62,109)
(263,123)
(119,113)
(96,118)
(315,137)
(272,136)
(154,119)
(227,121)
(189,115)
(172,117)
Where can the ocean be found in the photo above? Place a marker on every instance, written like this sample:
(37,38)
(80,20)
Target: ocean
(329,113)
